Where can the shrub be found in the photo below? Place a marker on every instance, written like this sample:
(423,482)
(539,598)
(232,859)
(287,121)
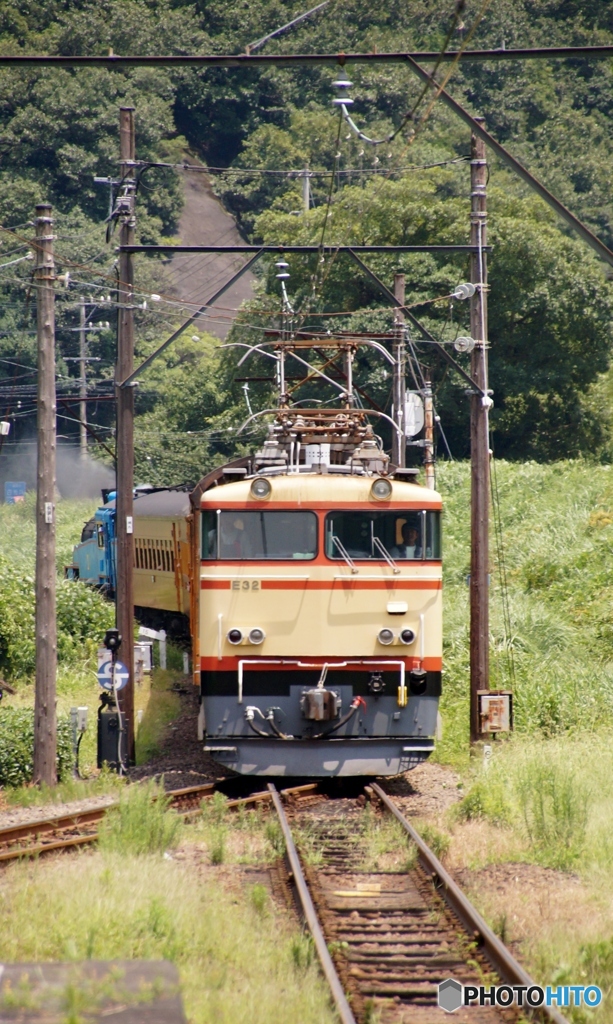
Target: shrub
(554,803)
(83,616)
(142,822)
(546,792)
(17,747)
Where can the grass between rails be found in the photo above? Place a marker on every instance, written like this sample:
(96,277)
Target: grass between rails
(240,960)
(547,799)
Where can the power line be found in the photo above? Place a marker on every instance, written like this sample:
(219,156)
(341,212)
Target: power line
(237,60)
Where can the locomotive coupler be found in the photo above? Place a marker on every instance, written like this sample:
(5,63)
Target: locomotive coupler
(320,705)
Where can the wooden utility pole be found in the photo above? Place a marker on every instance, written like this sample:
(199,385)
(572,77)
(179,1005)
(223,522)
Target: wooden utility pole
(399,441)
(429,463)
(82,381)
(124,519)
(45,729)
(479,440)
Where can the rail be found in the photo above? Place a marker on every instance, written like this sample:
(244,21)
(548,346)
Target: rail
(374,918)
(12,849)
(310,914)
(505,965)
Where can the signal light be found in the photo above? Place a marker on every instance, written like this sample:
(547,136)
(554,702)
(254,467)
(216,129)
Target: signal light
(407,636)
(112,640)
(257,636)
(235,636)
(385,636)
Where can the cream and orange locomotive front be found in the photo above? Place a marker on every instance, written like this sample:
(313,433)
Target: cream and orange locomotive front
(320,622)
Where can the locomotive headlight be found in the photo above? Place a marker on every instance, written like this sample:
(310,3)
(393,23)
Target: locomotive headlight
(385,636)
(235,636)
(381,489)
(407,636)
(257,636)
(261,488)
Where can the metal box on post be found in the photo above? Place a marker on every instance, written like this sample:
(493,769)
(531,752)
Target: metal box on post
(495,711)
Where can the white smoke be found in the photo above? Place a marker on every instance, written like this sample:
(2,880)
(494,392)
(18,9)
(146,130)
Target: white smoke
(76,477)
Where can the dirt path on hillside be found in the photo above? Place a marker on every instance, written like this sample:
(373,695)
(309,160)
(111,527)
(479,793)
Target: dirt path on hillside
(197,276)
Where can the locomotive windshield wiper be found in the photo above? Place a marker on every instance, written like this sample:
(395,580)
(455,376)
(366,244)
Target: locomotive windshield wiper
(336,542)
(388,558)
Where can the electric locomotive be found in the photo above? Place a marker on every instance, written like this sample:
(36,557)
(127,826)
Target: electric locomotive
(311,576)
(318,627)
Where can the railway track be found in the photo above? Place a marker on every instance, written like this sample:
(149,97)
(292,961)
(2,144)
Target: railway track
(387,939)
(55,833)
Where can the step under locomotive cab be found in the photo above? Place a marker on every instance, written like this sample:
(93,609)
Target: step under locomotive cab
(320,619)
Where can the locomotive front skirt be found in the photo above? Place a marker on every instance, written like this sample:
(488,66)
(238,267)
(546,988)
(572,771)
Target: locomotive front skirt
(319,623)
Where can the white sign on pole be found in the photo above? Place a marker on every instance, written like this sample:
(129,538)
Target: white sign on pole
(413,414)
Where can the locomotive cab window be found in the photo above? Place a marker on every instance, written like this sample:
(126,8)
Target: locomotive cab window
(256,536)
(402,536)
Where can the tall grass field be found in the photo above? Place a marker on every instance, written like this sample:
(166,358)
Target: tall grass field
(555,547)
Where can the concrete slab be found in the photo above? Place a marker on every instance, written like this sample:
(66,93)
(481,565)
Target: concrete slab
(126,991)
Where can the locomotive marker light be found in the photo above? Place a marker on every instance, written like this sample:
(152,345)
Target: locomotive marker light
(261,488)
(381,490)
(407,636)
(235,636)
(418,681)
(257,636)
(385,636)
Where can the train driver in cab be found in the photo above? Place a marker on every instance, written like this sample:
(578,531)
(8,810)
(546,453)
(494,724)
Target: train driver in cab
(410,546)
(234,542)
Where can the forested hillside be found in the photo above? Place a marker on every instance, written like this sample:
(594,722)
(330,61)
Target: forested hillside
(550,301)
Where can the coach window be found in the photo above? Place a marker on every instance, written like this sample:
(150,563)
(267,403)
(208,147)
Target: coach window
(402,536)
(259,536)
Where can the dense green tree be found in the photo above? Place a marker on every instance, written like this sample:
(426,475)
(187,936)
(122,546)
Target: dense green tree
(550,302)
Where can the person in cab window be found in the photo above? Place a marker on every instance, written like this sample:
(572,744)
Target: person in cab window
(410,546)
(233,541)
